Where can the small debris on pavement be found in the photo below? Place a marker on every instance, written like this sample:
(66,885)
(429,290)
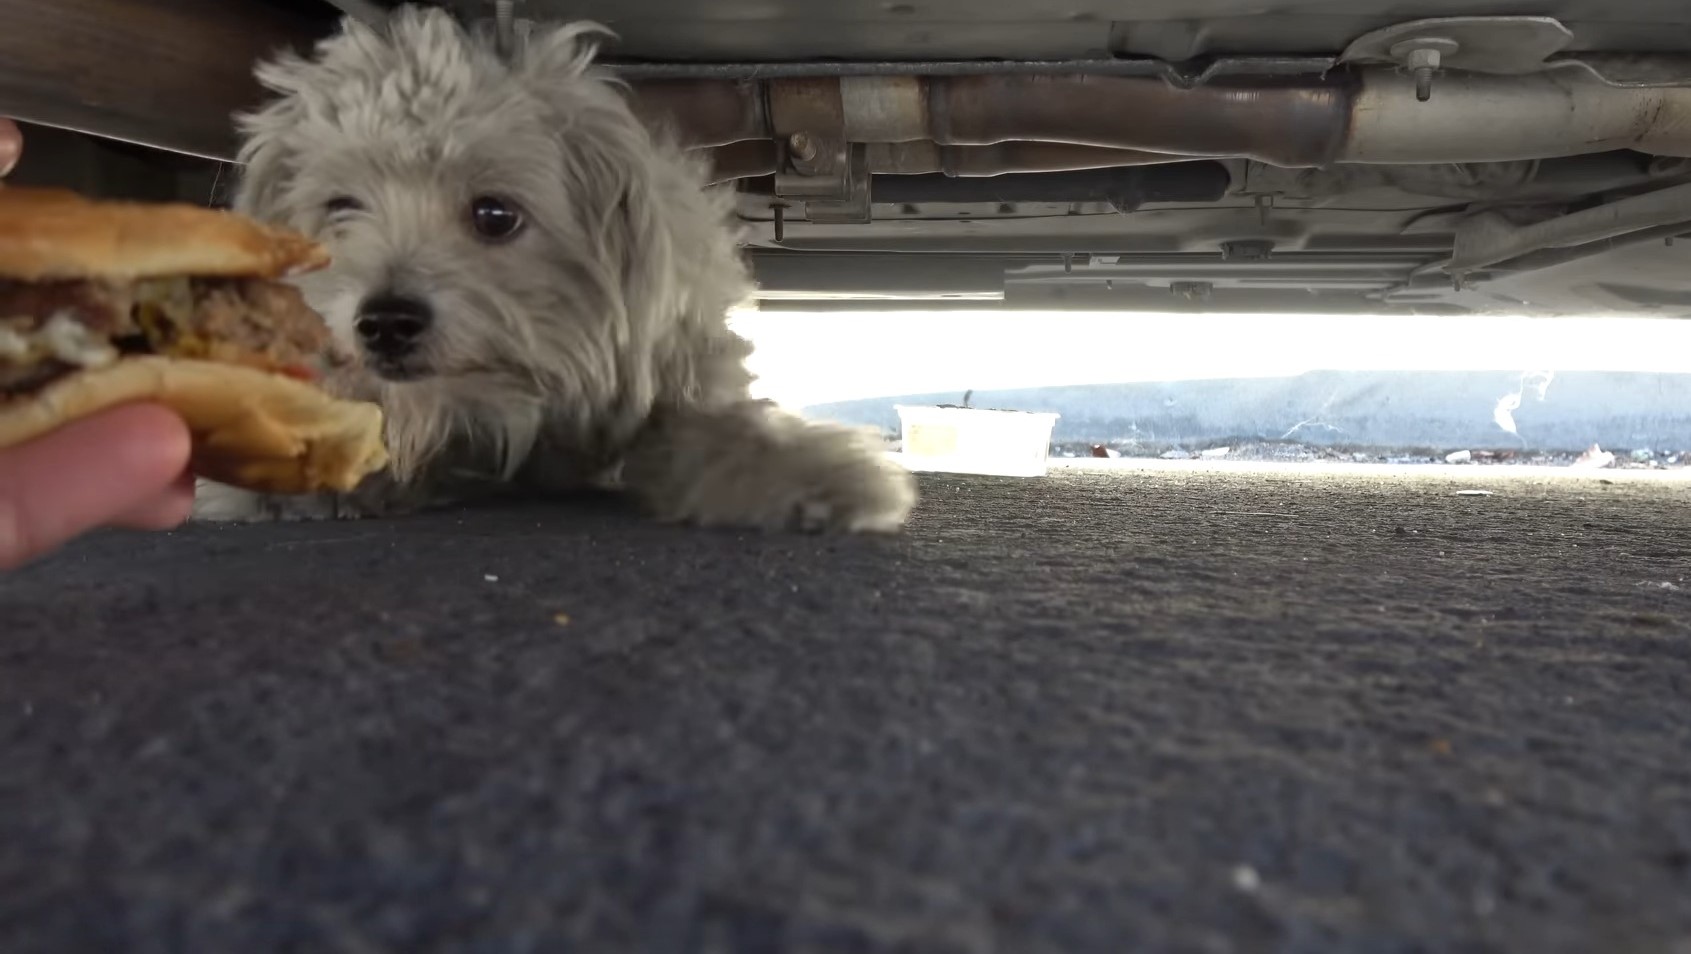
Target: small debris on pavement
(1594,458)
(489,577)
(1215,452)
(1474,493)
(1459,457)
(1246,879)
(1663,585)
(1176,454)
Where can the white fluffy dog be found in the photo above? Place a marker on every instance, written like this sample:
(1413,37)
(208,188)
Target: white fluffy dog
(532,284)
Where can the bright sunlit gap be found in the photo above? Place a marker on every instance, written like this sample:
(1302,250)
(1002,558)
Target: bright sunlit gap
(809,358)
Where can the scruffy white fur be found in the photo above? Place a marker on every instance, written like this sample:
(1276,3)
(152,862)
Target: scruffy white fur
(594,344)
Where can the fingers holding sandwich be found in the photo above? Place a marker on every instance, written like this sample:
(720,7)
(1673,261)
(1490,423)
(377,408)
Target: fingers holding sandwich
(105,303)
(124,467)
(11,146)
(139,341)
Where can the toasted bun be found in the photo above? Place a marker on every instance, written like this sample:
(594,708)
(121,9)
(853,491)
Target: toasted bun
(251,428)
(50,234)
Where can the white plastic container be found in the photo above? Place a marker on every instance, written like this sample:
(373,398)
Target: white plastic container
(968,440)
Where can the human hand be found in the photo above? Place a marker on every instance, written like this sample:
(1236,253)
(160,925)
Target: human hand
(126,467)
(11,145)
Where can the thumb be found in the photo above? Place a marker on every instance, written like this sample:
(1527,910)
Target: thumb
(86,475)
(11,145)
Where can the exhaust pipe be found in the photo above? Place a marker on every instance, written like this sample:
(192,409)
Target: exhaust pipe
(1477,118)
(1367,117)
(758,157)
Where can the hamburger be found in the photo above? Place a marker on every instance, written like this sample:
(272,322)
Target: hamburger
(104,303)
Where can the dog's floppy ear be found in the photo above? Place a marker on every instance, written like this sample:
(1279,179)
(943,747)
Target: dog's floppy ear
(607,150)
(562,53)
(265,154)
(266,132)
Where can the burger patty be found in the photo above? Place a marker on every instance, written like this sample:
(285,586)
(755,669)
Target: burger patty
(50,328)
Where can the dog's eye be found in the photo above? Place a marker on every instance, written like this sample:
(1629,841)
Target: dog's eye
(495,219)
(342,203)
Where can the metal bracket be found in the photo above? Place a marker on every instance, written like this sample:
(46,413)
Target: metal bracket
(1489,238)
(1629,71)
(818,167)
(1501,46)
(1247,250)
(1510,46)
(851,205)
(1192,291)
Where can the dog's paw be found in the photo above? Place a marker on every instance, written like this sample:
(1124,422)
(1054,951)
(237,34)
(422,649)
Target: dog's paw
(221,503)
(872,496)
(822,483)
(750,465)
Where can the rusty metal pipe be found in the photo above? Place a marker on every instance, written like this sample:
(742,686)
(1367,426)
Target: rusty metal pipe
(1368,117)
(915,158)
(754,158)
(742,160)
(704,112)
(1284,125)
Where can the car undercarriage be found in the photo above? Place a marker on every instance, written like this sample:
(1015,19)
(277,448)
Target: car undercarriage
(1366,156)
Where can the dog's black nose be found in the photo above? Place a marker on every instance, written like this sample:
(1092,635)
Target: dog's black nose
(389,325)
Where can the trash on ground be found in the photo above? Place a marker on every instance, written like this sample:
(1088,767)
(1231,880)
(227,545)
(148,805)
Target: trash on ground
(1474,493)
(970,440)
(1215,453)
(1137,447)
(1459,457)
(1594,458)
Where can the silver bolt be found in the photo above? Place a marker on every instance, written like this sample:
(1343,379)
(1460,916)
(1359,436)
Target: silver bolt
(1424,65)
(1424,56)
(505,25)
(802,146)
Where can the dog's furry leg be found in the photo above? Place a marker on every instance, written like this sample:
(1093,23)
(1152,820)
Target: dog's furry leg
(221,503)
(378,496)
(748,464)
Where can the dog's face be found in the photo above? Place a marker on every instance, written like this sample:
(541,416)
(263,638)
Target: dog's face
(482,217)
(443,266)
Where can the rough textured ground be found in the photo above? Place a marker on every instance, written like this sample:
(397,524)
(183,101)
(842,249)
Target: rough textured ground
(1134,712)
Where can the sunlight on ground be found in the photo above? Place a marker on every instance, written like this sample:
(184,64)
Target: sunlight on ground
(1454,472)
(806,358)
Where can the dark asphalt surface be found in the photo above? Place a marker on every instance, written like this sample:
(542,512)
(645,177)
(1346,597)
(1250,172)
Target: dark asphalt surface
(1148,712)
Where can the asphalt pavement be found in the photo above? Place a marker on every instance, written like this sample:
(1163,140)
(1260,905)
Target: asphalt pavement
(1155,709)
